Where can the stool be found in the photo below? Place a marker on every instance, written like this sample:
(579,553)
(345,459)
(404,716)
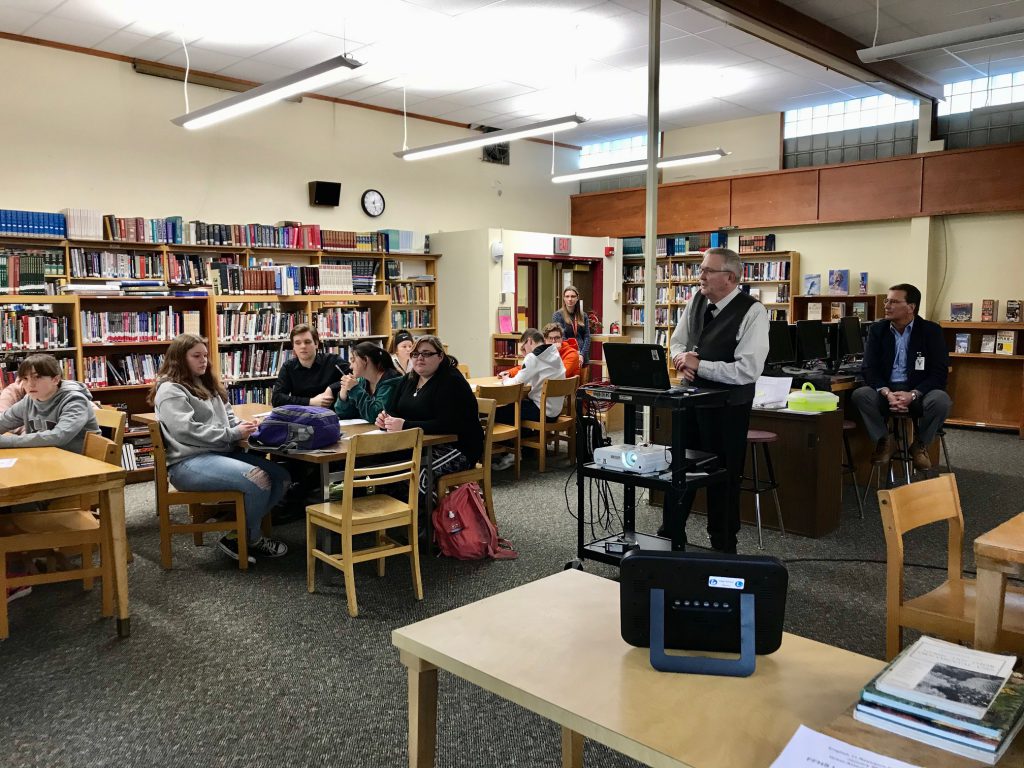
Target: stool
(901,434)
(945,451)
(848,466)
(757,437)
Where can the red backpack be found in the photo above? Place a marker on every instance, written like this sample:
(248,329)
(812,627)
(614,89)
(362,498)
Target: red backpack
(464,531)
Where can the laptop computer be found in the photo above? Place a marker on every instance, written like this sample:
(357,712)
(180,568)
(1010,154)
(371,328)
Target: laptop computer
(637,366)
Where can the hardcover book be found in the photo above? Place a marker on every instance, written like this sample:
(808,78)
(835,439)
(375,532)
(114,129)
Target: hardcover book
(1013,310)
(839,282)
(961,312)
(812,285)
(862,286)
(988,343)
(1006,341)
(860,309)
(963,343)
(989,310)
(838,310)
(814,310)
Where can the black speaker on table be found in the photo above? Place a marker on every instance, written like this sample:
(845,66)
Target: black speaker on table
(326,193)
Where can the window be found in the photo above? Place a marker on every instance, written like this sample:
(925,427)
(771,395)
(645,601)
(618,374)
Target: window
(617,151)
(848,115)
(981,92)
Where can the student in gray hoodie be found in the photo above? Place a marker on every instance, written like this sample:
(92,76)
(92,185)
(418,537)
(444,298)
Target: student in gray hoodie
(53,412)
(201,435)
(540,362)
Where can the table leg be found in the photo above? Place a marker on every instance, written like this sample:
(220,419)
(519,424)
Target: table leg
(572,749)
(991,594)
(422,711)
(428,506)
(323,536)
(112,507)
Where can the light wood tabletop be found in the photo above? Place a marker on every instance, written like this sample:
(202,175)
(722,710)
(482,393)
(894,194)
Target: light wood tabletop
(997,554)
(41,474)
(491,381)
(553,646)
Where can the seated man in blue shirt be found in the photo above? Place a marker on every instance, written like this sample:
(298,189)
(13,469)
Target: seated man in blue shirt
(905,370)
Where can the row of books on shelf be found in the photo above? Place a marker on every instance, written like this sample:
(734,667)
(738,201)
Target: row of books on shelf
(31,224)
(30,328)
(188,269)
(124,327)
(412,318)
(137,453)
(756,243)
(252,362)
(765,270)
(838,284)
(113,264)
(411,294)
(25,273)
(506,348)
(9,370)
(337,322)
(355,277)
(998,343)
(266,324)
(967,702)
(963,312)
(837,310)
(101,371)
(677,245)
(250,392)
(133,287)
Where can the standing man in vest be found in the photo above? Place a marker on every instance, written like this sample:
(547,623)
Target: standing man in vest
(721,342)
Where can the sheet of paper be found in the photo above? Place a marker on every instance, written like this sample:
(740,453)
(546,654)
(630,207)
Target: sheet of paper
(808,747)
(772,390)
(261,415)
(508,281)
(351,422)
(7,463)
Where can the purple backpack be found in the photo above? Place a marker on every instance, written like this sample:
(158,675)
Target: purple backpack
(297,428)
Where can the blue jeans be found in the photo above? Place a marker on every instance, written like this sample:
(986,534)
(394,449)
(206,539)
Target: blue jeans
(233,472)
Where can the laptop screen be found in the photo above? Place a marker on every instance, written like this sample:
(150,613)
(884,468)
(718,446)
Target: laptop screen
(637,365)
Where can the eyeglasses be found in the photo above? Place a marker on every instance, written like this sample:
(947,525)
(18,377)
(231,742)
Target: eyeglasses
(893,301)
(423,354)
(710,271)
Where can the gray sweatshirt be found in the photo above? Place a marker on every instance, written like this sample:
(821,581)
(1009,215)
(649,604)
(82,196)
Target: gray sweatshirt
(192,426)
(62,421)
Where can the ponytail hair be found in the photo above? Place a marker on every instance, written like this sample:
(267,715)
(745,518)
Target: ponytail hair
(376,355)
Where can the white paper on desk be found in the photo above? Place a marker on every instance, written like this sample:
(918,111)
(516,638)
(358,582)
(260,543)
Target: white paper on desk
(262,415)
(7,463)
(351,422)
(810,748)
(772,391)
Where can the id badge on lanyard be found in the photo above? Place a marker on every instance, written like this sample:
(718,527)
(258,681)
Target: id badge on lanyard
(919,362)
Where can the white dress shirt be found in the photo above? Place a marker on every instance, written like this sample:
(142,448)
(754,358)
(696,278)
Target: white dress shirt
(751,344)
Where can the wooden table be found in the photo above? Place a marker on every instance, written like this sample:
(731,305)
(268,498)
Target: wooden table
(997,554)
(491,381)
(42,474)
(553,646)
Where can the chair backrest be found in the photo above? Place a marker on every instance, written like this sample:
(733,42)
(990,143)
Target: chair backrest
(560,388)
(112,423)
(159,464)
(375,444)
(463,369)
(100,448)
(912,506)
(501,395)
(485,408)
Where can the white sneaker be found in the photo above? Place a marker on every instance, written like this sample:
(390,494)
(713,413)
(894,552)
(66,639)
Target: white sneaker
(505,461)
(265,547)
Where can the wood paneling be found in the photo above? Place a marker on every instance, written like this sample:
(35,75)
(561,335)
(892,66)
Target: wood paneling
(885,190)
(771,198)
(608,214)
(693,207)
(973,181)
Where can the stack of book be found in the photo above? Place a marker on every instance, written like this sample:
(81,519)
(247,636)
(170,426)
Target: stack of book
(967,702)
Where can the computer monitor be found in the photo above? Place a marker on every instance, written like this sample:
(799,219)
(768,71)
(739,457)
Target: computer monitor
(850,341)
(780,343)
(810,340)
(642,366)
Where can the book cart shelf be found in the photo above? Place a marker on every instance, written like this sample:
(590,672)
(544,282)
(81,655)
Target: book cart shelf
(987,388)
(113,342)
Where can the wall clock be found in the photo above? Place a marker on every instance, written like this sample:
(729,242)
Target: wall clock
(372,202)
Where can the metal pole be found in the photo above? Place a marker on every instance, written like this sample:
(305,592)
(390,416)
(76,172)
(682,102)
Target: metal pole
(651,229)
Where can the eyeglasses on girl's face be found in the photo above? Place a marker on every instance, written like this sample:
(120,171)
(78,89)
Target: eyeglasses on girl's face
(424,354)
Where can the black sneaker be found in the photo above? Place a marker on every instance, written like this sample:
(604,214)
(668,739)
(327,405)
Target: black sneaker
(267,547)
(229,546)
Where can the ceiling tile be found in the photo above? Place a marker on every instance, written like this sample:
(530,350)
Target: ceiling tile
(257,71)
(69,31)
(451,7)
(17,20)
(91,11)
(303,51)
(41,7)
(688,19)
(486,93)
(469,115)
(671,50)
(201,59)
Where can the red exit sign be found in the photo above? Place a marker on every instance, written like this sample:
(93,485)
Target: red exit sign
(563,246)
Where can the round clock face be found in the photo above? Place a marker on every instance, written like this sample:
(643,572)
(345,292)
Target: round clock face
(372,202)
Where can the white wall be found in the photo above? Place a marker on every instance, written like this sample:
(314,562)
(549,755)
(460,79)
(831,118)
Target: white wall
(755,144)
(465,296)
(83,131)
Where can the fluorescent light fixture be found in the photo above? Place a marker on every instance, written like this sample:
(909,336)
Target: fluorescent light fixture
(494,137)
(941,40)
(632,166)
(304,81)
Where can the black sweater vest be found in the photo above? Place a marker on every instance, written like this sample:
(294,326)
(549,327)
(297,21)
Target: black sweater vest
(716,341)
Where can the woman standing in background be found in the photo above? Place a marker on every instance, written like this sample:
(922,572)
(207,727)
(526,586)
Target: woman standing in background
(574,321)
(400,347)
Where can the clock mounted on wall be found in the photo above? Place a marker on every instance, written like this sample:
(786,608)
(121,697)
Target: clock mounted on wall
(372,202)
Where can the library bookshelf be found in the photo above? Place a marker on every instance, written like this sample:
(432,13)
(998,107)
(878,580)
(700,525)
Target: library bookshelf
(505,351)
(820,307)
(987,388)
(114,342)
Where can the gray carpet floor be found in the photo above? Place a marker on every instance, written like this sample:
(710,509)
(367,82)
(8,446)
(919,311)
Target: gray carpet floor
(225,668)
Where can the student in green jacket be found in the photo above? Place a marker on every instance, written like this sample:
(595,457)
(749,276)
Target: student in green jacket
(366,391)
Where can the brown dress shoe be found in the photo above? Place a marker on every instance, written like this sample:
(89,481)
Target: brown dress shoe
(884,450)
(919,456)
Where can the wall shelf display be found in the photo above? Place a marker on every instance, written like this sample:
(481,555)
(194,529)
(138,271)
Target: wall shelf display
(868,307)
(505,351)
(987,389)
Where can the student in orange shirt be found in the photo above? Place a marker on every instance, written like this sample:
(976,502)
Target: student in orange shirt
(568,349)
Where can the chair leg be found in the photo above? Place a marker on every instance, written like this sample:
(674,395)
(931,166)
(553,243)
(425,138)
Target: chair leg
(771,480)
(87,562)
(757,495)
(518,455)
(414,563)
(542,450)
(310,560)
(853,474)
(107,578)
(165,537)
(945,451)
(893,638)
(243,537)
(195,511)
(4,629)
(350,575)
(488,497)
(380,560)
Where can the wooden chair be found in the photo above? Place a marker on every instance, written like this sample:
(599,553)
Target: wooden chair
(948,610)
(48,531)
(481,473)
(112,424)
(370,514)
(463,369)
(552,429)
(202,505)
(506,433)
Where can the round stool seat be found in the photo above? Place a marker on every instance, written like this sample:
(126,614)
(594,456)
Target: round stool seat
(761,436)
(849,424)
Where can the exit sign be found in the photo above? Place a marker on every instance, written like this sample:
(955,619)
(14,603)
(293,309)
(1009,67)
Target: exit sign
(563,246)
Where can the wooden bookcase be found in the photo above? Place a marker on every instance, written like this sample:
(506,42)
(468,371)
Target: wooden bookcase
(249,358)
(873,302)
(505,351)
(987,389)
